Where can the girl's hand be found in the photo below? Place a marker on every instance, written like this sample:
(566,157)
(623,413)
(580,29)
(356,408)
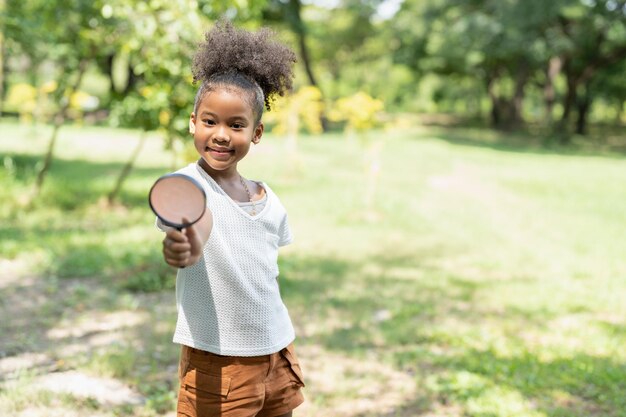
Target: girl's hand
(182,248)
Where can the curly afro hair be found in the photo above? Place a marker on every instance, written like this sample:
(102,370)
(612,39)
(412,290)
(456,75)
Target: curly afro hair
(249,61)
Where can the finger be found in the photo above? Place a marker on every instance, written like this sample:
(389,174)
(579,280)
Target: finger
(176,255)
(177,259)
(190,232)
(177,249)
(176,236)
(177,263)
(175,246)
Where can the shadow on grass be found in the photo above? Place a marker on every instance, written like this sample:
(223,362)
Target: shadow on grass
(614,329)
(373,303)
(76,234)
(586,385)
(580,386)
(74,184)
(411,322)
(360,306)
(82,249)
(396,305)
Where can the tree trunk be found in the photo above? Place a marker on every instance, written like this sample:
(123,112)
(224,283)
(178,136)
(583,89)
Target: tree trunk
(299,28)
(108,69)
(517,118)
(495,102)
(549,95)
(569,100)
(477,105)
(59,119)
(132,80)
(3,84)
(583,106)
(502,110)
(127,168)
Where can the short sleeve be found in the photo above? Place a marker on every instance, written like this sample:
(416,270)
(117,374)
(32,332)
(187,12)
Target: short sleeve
(159,225)
(284,233)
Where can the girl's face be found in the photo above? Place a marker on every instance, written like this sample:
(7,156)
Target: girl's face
(223,129)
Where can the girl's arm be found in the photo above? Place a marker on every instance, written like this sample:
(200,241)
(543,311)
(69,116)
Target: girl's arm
(184,248)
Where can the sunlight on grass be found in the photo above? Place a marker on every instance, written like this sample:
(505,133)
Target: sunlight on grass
(488,282)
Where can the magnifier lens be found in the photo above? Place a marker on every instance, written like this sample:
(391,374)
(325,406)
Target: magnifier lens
(176,196)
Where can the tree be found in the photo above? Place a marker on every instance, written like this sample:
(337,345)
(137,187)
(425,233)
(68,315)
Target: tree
(162,40)
(506,45)
(289,12)
(493,42)
(3,83)
(69,47)
(595,40)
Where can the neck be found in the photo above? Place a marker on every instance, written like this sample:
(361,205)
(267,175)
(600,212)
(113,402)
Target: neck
(230,181)
(227,175)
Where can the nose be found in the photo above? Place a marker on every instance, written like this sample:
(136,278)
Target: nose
(221,135)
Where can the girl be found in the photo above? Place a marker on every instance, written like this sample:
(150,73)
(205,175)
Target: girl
(237,356)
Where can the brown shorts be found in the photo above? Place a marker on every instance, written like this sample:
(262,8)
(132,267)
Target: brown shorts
(230,386)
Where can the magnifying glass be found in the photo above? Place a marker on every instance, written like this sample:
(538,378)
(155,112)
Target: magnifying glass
(178,200)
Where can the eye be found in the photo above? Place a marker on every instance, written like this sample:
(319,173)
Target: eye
(209,122)
(237,126)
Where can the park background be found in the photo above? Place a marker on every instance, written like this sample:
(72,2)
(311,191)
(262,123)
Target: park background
(454,171)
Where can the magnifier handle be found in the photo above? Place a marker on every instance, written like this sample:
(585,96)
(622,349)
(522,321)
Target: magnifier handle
(180,229)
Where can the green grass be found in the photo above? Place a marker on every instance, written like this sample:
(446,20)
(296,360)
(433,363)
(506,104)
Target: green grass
(489,274)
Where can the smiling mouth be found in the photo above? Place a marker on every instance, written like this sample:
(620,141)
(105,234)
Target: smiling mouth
(219,151)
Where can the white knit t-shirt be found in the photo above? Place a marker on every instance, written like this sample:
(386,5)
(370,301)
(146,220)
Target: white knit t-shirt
(229,301)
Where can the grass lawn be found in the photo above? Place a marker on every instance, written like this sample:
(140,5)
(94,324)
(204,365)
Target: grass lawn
(487,279)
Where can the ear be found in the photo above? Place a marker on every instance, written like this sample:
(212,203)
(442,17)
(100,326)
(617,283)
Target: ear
(258,132)
(192,123)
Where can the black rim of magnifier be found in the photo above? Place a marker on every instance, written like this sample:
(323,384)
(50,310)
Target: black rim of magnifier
(178,226)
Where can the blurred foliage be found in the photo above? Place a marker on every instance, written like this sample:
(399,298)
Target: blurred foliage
(158,53)
(22,98)
(506,49)
(51,51)
(296,111)
(359,111)
(511,62)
